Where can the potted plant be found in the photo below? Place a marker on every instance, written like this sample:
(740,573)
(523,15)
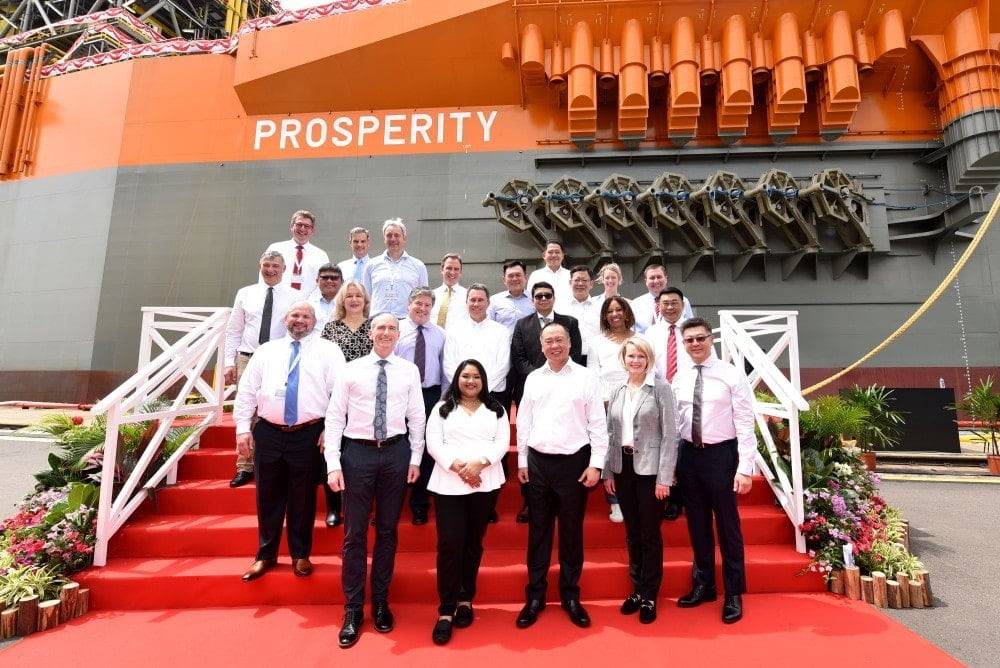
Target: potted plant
(880,428)
(982,405)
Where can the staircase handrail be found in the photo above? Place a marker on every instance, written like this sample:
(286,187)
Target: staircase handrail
(184,362)
(739,330)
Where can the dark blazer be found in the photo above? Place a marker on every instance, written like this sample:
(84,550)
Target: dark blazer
(654,429)
(526,349)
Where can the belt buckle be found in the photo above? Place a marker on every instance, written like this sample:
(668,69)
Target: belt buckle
(628,450)
(380,444)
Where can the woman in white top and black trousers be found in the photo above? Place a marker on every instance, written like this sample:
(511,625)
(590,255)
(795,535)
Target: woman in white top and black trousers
(468,434)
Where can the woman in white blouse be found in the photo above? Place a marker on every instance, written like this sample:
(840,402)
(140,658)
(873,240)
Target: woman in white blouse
(468,434)
(639,468)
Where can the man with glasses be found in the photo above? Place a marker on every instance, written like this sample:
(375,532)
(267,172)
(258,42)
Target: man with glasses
(354,267)
(302,258)
(328,283)
(715,462)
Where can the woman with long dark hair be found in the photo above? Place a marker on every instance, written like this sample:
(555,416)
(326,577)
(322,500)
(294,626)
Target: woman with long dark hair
(468,434)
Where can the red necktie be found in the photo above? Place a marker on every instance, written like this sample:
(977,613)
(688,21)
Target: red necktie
(297,268)
(672,354)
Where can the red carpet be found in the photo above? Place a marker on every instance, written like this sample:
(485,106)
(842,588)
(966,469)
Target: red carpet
(779,630)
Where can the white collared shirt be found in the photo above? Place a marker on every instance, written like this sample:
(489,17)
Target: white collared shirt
(243,328)
(726,406)
(487,342)
(658,336)
(647,313)
(602,359)
(466,437)
(457,309)
(560,413)
(389,282)
(313,258)
(588,317)
(347,268)
(322,307)
(352,406)
(559,280)
(263,384)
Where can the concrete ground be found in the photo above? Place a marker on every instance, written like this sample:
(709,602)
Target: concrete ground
(952,530)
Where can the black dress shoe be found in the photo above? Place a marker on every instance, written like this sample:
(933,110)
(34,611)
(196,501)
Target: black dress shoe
(493,518)
(647,612)
(333,519)
(442,632)
(382,616)
(464,616)
(576,613)
(258,568)
(522,516)
(672,511)
(698,595)
(351,629)
(631,605)
(529,613)
(419,519)
(241,478)
(732,608)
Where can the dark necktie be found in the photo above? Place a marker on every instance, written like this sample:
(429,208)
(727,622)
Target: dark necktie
(265,317)
(292,388)
(381,392)
(672,354)
(696,409)
(420,352)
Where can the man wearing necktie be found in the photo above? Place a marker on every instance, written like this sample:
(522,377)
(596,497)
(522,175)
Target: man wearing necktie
(302,257)
(449,297)
(715,462)
(287,384)
(422,342)
(353,268)
(374,444)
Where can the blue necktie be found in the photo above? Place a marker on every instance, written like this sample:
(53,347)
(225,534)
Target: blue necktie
(358,269)
(292,389)
(381,390)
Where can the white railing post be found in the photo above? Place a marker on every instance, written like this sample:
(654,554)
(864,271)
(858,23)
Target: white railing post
(104,520)
(145,338)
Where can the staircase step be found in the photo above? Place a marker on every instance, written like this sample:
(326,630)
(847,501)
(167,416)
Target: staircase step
(128,583)
(236,534)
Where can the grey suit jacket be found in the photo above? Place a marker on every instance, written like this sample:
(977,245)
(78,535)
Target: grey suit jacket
(654,429)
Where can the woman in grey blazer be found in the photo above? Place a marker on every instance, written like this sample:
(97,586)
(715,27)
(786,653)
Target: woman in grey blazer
(639,469)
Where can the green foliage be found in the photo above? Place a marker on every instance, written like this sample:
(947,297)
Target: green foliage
(881,427)
(982,404)
(77,461)
(889,558)
(827,419)
(25,581)
(81,495)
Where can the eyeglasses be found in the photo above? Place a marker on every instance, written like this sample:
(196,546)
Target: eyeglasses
(308,226)
(331,278)
(670,302)
(543,296)
(696,339)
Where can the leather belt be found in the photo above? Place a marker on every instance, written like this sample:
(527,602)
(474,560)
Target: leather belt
(378,444)
(706,446)
(243,354)
(294,427)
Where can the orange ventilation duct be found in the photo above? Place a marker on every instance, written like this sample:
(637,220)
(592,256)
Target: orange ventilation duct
(657,73)
(840,91)
(890,37)
(685,87)
(709,62)
(11,110)
(31,102)
(532,55)
(582,87)
(787,91)
(633,86)
(606,74)
(734,101)
(759,59)
(557,77)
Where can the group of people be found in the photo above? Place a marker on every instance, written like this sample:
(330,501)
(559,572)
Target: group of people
(377,383)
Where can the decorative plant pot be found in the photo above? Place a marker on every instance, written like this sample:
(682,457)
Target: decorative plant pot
(993,462)
(869,459)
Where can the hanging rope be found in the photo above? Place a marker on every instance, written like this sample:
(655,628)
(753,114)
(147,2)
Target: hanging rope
(945,282)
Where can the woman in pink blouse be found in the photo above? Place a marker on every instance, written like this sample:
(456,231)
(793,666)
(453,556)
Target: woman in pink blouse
(468,434)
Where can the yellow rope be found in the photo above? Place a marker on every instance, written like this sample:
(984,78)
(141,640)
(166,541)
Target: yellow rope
(945,282)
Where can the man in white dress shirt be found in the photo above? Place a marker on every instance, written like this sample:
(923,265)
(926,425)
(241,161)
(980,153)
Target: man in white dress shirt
(481,339)
(390,276)
(562,438)
(449,297)
(645,307)
(328,284)
(353,269)
(287,385)
(302,258)
(715,462)
(258,316)
(374,444)
(552,272)
(583,307)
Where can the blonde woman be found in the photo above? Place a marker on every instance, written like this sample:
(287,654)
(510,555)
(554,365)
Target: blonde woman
(349,326)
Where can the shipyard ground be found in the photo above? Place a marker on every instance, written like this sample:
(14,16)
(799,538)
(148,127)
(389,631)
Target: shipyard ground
(949,507)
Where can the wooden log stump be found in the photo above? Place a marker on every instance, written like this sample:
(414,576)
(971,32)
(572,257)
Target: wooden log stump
(67,601)
(48,614)
(904,589)
(852,582)
(924,578)
(8,623)
(837,581)
(867,589)
(27,616)
(892,594)
(878,589)
(916,595)
(82,602)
